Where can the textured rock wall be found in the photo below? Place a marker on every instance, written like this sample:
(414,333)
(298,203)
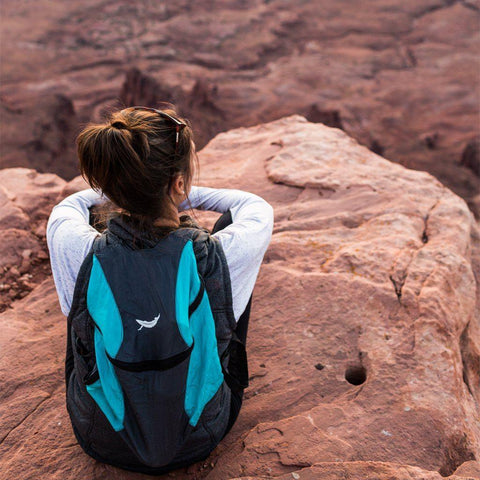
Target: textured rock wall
(363,343)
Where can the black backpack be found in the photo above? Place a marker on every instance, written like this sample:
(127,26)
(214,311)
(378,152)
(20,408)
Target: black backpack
(149,354)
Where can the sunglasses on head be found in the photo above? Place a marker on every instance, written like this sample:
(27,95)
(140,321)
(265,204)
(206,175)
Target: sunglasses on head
(178,124)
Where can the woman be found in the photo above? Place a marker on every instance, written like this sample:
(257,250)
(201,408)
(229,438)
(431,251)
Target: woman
(142,161)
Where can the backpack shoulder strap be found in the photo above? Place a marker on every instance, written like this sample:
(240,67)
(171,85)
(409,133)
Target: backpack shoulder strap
(198,299)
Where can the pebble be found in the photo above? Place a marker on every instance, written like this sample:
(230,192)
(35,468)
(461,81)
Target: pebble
(26,253)
(42,255)
(41,230)
(14,271)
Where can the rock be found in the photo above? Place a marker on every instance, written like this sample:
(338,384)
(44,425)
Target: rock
(29,192)
(431,140)
(471,156)
(75,185)
(26,254)
(44,136)
(331,118)
(143,90)
(377,147)
(349,237)
(469,469)
(364,470)
(26,199)
(41,230)
(210,60)
(474,205)
(204,113)
(199,102)
(53,137)
(370,274)
(395,71)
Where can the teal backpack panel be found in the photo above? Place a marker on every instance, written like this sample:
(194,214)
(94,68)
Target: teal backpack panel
(186,289)
(205,372)
(106,391)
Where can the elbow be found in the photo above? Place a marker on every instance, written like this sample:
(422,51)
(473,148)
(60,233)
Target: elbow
(49,233)
(52,225)
(266,217)
(267,223)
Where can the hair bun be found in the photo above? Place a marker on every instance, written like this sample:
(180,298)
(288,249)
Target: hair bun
(120,125)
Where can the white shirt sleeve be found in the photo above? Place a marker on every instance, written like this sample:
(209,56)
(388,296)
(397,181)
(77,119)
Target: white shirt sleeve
(245,241)
(69,239)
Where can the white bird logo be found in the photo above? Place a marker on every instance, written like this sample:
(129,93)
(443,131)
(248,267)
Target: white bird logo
(144,323)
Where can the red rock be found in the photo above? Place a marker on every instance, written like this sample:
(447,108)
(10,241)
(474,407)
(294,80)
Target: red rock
(363,470)
(469,469)
(26,199)
(140,89)
(204,112)
(199,103)
(331,118)
(471,156)
(371,272)
(403,76)
(42,136)
(75,185)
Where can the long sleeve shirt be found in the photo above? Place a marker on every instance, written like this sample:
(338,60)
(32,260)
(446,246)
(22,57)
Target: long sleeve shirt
(244,242)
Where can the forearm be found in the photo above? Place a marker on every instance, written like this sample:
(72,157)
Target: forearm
(221,200)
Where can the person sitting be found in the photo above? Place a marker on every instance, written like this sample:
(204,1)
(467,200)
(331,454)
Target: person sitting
(157,307)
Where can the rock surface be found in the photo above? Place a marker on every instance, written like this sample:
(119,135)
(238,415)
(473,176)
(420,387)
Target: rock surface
(401,77)
(25,200)
(363,343)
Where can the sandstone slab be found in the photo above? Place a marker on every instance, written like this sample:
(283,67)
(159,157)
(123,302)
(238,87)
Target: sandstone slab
(364,339)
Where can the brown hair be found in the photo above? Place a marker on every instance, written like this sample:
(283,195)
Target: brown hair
(133,159)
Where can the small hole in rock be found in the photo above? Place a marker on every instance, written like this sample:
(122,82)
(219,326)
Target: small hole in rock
(319,366)
(356,375)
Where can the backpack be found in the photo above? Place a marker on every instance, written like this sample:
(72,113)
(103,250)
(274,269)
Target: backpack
(146,376)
